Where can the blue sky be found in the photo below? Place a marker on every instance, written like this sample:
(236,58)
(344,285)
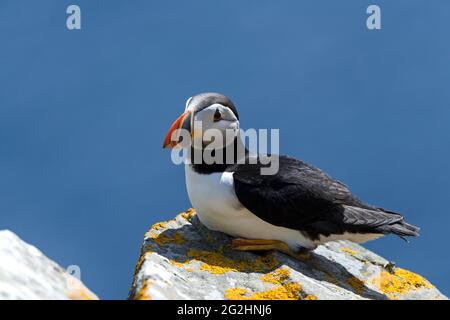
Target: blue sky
(83,114)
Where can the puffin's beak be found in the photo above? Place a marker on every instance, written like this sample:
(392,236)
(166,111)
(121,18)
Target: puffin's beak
(183,122)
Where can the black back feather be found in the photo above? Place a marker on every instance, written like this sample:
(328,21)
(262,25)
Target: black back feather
(303,197)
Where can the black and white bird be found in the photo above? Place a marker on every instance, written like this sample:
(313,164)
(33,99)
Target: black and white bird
(294,210)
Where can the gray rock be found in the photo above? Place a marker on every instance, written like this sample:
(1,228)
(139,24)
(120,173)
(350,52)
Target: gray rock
(181,259)
(26,274)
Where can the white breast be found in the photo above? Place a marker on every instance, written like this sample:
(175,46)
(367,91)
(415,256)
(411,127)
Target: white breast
(218,208)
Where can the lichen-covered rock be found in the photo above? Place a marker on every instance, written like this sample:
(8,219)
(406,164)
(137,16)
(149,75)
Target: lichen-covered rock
(181,259)
(26,274)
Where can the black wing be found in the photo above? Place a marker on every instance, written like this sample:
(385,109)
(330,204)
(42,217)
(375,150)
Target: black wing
(304,198)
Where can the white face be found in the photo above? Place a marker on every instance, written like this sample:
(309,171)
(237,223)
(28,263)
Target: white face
(213,121)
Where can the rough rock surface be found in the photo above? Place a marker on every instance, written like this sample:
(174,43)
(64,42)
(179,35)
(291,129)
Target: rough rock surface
(25,273)
(181,259)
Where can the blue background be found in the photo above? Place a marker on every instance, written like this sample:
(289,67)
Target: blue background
(83,114)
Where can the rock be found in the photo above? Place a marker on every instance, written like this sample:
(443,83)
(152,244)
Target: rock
(26,274)
(181,259)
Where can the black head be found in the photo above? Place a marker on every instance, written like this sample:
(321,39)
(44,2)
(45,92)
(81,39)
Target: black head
(204,100)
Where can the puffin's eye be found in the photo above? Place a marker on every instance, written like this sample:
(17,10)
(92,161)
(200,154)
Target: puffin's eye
(217,115)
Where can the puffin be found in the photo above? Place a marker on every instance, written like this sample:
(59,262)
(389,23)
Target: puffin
(293,210)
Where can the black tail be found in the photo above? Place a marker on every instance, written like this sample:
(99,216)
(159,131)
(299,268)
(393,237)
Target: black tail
(377,220)
(401,229)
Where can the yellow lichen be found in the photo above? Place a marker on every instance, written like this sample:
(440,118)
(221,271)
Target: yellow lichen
(400,282)
(356,284)
(188,214)
(162,239)
(139,263)
(176,263)
(214,262)
(289,291)
(159,226)
(276,277)
(236,294)
(143,294)
(282,289)
(348,250)
(215,269)
(147,249)
(217,263)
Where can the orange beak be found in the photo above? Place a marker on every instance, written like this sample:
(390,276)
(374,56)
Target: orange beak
(182,122)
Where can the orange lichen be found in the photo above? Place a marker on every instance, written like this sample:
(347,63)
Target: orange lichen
(188,214)
(276,277)
(87,295)
(158,232)
(159,226)
(282,289)
(289,291)
(356,284)
(139,263)
(214,262)
(236,294)
(348,250)
(400,282)
(143,294)
(176,263)
(147,249)
(163,225)
(217,263)
(163,238)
